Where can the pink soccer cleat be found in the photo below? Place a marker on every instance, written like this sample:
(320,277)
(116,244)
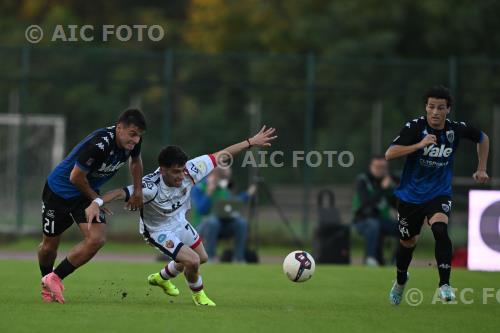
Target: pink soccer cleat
(46,295)
(53,284)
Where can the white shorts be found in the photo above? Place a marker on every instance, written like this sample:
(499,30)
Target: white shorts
(169,241)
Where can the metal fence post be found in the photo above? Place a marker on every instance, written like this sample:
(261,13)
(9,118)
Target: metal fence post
(168,71)
(377,128)
(21,160)
(495,141)
(308,133)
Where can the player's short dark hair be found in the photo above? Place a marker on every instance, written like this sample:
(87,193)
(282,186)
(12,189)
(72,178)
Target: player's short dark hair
(133,117)
(440,92)
(172,156)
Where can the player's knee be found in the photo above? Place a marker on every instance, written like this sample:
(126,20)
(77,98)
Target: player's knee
(192,263)
(179,267)
(203,258)
(240,223)
(96,242)
(372,226)
(213,222)
(439,230)
(48,247)
(409,242)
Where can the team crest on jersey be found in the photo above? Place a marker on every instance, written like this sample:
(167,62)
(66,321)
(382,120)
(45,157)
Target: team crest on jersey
(169,244)
(89,161)
(450,135)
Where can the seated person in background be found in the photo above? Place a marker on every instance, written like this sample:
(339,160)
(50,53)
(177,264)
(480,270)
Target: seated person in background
(205,197)
(371,205)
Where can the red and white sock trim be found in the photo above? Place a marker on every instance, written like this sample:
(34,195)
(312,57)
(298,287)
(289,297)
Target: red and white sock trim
(197,286)
(169,272)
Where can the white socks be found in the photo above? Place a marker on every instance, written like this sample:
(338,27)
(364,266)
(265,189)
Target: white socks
(169,272)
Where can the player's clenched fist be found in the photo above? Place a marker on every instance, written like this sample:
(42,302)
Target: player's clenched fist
(429,139)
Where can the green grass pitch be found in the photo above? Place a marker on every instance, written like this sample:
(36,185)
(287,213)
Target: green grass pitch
(114,297)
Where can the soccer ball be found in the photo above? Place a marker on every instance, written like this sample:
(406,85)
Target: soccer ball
(299,266)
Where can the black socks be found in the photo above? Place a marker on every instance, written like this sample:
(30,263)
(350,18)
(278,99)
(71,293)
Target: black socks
(443,251)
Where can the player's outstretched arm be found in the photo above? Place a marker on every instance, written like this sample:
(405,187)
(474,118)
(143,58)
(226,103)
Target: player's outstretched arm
(92,211)
(480,176)
(396,151)
(136,169)
(261,139)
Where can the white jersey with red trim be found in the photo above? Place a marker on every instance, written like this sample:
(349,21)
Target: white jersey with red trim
(164,206)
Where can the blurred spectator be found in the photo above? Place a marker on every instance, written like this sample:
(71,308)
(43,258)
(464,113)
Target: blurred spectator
(213,222)
(371,205)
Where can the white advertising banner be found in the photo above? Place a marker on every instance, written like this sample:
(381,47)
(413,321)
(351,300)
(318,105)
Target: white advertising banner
(484,231)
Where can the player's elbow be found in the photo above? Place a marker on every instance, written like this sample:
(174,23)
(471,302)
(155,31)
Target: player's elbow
(74,179)
(77,179)
(389,154)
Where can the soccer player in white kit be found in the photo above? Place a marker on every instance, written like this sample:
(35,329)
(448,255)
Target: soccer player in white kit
(166,197)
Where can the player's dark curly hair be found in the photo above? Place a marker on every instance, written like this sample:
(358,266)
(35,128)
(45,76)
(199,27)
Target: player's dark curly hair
(172,156)
(133,117)
(440,92)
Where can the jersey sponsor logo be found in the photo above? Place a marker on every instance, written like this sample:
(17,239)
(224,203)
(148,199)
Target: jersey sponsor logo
(433,164)
(110,168)
(433,151)
(450,135)
(161,238)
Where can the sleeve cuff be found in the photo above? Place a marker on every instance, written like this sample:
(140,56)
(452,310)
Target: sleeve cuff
(127,193)
(81,166)
(212,158)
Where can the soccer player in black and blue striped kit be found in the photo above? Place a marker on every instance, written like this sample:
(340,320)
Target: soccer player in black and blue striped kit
(429,144)
(74,184)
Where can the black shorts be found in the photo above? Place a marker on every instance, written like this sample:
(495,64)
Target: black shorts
(58,214)
(411,216)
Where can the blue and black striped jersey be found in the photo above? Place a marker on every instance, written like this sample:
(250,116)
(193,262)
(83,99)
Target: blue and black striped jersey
(99,155)
(428,172)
